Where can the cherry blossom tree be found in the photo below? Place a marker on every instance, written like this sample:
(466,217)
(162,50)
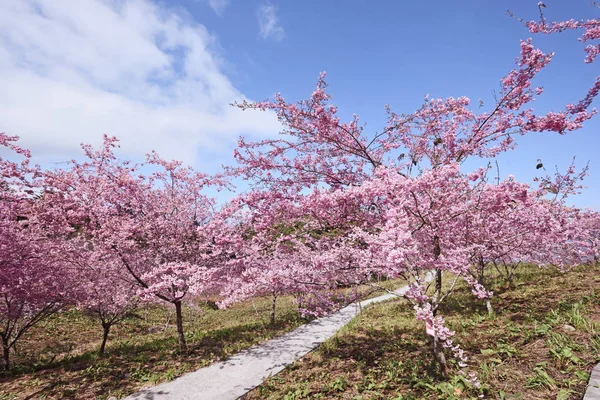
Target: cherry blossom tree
(408,209)
(290,247)
(157,226)
(33,281)
(587,233)
(103,290)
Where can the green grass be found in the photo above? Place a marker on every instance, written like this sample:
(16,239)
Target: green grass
(58,358)
(541,343)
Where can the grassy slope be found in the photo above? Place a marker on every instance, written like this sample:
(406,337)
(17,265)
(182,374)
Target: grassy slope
(541,344)
(57,359)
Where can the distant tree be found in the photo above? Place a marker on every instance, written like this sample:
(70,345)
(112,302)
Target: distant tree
(155,228)
(103,290)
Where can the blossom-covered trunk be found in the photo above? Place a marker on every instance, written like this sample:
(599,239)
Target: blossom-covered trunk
(438,351)
(180,335)
(481,281)
(488,305)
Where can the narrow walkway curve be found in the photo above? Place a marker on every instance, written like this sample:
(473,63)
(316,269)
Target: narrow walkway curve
(242,372)
(593,388)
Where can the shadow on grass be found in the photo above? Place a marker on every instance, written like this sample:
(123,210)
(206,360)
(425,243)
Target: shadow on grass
(381,350)
(152,359)
(385,352)
(523,292)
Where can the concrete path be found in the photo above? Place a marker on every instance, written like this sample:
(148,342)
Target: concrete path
(232,378)
(593,389)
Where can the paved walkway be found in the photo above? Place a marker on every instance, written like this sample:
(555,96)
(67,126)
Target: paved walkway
(232,378)
(593,389)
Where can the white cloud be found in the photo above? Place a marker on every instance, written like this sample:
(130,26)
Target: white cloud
(218,6)
(71,71)
(269,22)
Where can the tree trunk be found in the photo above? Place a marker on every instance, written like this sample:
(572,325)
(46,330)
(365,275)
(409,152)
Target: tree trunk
(481,271)
(273,306)
(438,289)
(106,331)
(438,350)
(440,357)
(481,280)
(6,349)
(490,308)
(180,335)
(511,279)
(437,250)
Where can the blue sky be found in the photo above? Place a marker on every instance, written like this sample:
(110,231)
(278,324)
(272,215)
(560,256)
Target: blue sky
(161,74)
